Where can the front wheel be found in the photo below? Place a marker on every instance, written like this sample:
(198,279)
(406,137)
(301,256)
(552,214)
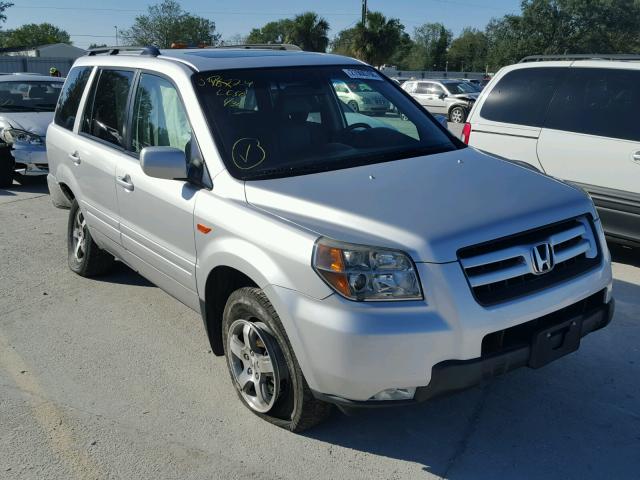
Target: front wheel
(84,256)
(263,366)
(457,115)
(354,106)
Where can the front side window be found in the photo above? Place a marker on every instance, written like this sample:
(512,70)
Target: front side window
(434,89)
(457,88)
(522,96)
(159,117)
(105,117)
(69,99)
(300,124)
(598,101)
(29,96)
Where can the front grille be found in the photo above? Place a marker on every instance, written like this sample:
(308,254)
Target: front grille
(521,335)
(504,269)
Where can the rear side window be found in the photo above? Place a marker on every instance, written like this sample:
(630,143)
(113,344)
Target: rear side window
(107,115)
(598,101)
(69,98)
(522,96)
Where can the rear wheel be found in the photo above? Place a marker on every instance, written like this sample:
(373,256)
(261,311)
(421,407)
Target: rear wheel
(263,366)
(84,256)
(7,166)
(457,115)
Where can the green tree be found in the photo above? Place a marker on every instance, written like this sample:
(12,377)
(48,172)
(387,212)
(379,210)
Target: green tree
(32,34)
(166,23)
(431,42)
(3,7)
(308,30)
(376,41)
(343,43)
(468,52)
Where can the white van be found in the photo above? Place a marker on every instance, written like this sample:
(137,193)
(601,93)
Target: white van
(574,118)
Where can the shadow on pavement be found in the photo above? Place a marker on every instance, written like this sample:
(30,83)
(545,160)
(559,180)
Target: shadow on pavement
(123,275)
(26,185)
(578,417)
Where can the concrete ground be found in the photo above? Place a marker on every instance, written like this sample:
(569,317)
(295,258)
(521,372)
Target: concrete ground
(112,378)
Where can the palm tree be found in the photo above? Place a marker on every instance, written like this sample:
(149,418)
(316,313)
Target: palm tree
(309,31)
(376,41)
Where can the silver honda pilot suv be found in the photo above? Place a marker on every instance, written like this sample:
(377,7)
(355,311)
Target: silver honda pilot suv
(336,258)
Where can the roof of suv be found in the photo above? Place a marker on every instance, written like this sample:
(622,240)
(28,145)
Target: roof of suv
(202,59)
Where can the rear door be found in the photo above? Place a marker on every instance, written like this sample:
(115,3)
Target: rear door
(591,137)
(156,222)
(100,146)
(508,120)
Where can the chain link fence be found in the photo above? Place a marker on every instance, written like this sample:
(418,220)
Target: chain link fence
(14,64)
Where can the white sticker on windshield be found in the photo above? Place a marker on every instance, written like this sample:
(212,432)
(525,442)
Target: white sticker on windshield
(362,74)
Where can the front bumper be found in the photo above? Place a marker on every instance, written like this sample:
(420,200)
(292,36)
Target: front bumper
(353,350)
(30,159)
(455,375)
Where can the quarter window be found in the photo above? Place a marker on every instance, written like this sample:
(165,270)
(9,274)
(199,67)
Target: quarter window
(159,117)
(69,99)
(598,101)
(522,96)
(107,116)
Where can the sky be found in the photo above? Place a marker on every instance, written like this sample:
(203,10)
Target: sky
(94,21)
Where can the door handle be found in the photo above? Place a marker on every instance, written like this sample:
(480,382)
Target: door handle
(125,182)
(75,158)
(636,157)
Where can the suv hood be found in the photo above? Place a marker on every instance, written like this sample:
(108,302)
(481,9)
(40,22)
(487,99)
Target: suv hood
(428,206)
(467,96)
(35,122)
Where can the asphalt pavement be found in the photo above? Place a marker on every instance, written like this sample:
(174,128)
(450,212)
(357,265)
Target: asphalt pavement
(112,378)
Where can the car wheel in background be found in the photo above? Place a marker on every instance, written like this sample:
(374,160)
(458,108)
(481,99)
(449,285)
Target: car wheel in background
(263,366)
(354,105)
(7,167)
(457,115)
(85,257)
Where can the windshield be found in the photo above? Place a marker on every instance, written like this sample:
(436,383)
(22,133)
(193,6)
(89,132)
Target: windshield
(291,121)
(30,96)
(456,88)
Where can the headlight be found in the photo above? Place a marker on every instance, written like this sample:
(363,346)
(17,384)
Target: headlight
(359,272)
(14,135)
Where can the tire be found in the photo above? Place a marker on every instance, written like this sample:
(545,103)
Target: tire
(7,167)
(457,115)
(87,260)
(291,405)
(354,105)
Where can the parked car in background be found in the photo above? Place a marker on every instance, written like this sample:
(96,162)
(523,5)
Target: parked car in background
(575,119)
(452,98)
(27,103)
(335,259)
(359,95)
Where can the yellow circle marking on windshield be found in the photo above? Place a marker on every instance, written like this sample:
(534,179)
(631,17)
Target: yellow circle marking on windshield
(247,153)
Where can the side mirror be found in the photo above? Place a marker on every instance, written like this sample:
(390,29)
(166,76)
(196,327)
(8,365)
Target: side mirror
(442,96)
(164,162)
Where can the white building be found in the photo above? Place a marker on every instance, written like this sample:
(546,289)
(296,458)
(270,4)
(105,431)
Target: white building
(52,50)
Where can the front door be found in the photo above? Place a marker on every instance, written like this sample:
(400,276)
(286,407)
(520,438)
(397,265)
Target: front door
(156,223)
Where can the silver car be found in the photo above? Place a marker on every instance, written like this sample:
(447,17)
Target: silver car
(335,260)
(453,98)
(27,102)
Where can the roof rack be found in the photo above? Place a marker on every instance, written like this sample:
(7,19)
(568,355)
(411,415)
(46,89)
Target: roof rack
(262,46)
(150,51)
(586,56)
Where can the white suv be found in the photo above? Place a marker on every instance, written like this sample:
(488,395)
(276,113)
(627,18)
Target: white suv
(575,118)
(333,262)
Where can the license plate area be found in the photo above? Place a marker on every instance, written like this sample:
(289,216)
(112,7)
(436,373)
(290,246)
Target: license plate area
(554,342)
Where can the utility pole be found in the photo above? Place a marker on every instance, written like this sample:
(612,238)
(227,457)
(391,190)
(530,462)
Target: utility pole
(116,27)
(364,12)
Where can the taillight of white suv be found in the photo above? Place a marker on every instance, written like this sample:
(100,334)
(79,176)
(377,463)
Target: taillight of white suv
(466,133)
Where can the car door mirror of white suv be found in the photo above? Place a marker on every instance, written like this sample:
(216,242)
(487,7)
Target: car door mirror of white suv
(164,162)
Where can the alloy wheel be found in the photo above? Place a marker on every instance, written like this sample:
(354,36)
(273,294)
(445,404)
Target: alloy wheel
(79,236)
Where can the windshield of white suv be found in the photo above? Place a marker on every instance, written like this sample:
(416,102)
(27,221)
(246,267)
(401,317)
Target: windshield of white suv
(29,96)
(280,122)
(456,88)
